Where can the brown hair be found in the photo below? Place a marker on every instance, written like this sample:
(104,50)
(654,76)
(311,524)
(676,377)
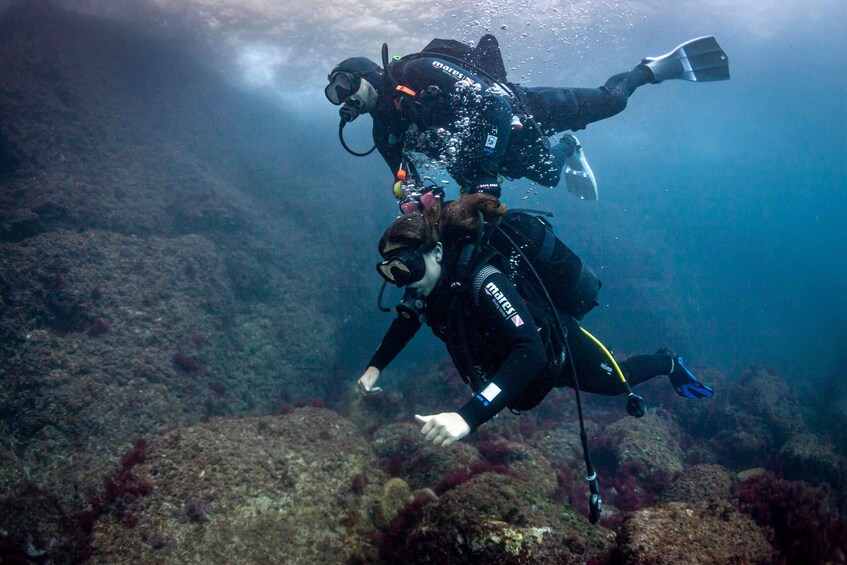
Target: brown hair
(450,224)
(412,230)
(460,218)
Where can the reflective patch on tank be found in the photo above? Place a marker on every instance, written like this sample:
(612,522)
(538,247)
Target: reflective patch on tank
(490,144)
(606,368)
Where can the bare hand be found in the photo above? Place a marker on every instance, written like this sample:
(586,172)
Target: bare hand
(368,380)
(443,429)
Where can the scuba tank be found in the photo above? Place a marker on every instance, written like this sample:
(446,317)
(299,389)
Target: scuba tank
(573,286)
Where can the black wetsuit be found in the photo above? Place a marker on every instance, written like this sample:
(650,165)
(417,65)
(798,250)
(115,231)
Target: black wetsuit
(507,344)
(464,121)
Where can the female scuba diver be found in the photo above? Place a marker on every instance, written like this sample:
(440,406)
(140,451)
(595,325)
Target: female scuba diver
(506,344)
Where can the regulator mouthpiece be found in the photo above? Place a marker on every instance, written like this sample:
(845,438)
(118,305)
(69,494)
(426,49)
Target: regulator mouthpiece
(351,109)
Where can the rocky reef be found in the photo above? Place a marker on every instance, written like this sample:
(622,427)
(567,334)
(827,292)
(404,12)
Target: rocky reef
(679,533)
(176,322)
(152,275)
(266,489)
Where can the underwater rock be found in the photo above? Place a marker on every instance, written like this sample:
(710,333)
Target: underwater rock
(746,423)
(753,472)
(261,490)
(807,457)
(651,442)
(561,443)
(145,201)
(523,461)
(802,522)
(17,225)
(678,532)
(403,452)
(69,390)
(370,412)
(767,395)
(35,526)
(748,444)
(753,420)
(699,484)
(825,402)
(395,494)
(13,469)
(495,518)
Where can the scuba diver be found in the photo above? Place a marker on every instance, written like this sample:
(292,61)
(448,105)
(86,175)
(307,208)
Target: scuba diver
(480,293)
(454,104)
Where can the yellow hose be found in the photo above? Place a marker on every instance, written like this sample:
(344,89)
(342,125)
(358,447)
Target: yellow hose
(609,355)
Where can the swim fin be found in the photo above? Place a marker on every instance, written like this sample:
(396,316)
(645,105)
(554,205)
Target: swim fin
(682,380)
(698,60)
(579,177)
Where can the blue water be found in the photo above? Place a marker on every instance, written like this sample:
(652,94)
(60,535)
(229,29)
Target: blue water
(720,228)
(719,231)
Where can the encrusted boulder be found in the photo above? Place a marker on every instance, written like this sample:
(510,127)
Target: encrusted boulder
(291,489)
(650,443)
(495,518)
(561,443)
(746,442)
(525,462)
(767,395)
(810,458)
(678,532)
(801,521)
(753,418)
(395,495)
(699,485)
(35,527)
(404,452)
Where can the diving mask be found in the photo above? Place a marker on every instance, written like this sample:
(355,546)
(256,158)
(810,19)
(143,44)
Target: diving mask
(404,266)
(342,85)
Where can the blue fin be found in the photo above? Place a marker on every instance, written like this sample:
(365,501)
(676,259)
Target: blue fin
(686,384)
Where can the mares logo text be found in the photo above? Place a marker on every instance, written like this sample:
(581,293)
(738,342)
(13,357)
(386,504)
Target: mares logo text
(458,75)
(503,304)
